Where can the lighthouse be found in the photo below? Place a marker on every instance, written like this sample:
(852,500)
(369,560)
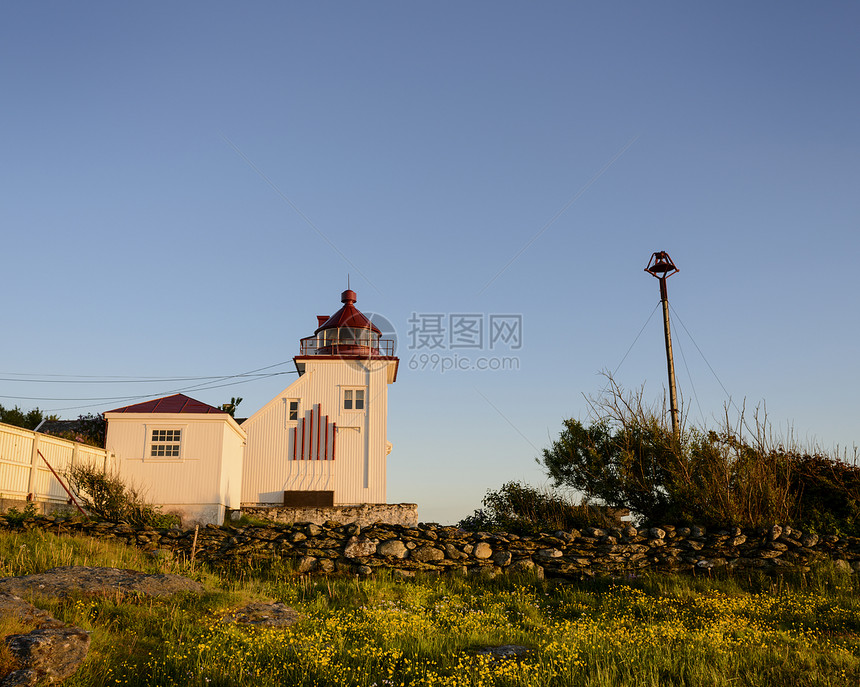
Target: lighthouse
(322,441)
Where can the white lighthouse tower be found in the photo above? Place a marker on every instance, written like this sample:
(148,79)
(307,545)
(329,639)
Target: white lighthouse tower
(322,440)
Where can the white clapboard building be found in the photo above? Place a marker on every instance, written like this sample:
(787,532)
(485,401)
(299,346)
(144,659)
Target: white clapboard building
(320,442)
(184,455)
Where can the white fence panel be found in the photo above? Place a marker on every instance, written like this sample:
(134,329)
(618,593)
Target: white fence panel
(58,453)
(14,479)
(24,460)
(16,444)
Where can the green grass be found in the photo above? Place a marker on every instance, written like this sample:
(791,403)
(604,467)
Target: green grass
(34,551)
(662,630)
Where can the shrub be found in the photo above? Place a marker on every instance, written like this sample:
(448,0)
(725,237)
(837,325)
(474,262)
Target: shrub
(828,490)
(16,517)
(107,497)
(88,429)
(737,474)
(524,509)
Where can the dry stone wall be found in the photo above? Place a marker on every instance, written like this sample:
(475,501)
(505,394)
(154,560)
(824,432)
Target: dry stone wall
(353,548)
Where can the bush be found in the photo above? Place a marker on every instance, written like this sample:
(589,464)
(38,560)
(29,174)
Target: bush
(87,429)
(523,509)
(828,490)
(629,457)
(107,497)
(16,517)
(735,475)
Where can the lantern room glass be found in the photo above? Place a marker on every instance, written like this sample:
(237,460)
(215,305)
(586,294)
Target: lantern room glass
(348,336)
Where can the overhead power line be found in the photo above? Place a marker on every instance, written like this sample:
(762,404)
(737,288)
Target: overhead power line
(119,380)
(115,398)
(211,382)
(32,376)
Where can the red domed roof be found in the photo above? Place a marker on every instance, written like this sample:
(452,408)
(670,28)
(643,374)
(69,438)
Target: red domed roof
(348,316)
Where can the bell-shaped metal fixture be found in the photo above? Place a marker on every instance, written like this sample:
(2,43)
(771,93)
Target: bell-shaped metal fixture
(660,265)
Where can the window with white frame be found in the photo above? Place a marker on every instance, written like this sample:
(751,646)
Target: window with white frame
(292,405)
(353,399)
(165,443)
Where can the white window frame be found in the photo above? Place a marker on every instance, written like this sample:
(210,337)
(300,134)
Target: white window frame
(288,421)
(350,395)
(150,442)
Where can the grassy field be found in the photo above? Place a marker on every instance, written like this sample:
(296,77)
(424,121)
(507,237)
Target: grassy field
(798,631)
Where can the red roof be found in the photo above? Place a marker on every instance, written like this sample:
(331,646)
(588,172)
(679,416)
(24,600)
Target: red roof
(178,403)
(348,315)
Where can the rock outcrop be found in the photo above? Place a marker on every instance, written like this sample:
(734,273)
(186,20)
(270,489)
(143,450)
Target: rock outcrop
(98,582)
(262,614)
(53,651)
(12,606)
(46,656)
(49,653)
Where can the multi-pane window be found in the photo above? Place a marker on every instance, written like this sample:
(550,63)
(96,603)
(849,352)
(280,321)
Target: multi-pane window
(165,443)
(353,399)
(292,409)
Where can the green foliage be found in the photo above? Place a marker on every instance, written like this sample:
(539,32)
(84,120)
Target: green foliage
(91,429)
(709,478)
(88,429)
(623,467)
(524,509)
(628,457)
(722,477)
(28,420)
(828,492)
(231,406)
(16,517)
(107,497)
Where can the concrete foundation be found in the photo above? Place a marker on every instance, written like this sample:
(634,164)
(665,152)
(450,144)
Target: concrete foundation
(42,507)
(405,514)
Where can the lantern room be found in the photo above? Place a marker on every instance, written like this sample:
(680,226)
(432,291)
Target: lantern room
(347,333)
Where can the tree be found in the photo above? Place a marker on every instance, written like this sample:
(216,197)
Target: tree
(28,420)
(629,457)
(627,467)
(231,406)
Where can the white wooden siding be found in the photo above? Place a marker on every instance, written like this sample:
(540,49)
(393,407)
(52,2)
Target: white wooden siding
(357,473)
(232,457)
(194,478)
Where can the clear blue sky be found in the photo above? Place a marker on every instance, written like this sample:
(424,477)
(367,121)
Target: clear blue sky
(185,186)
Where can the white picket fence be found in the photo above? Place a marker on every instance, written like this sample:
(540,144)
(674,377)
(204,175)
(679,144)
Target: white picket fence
(24,473)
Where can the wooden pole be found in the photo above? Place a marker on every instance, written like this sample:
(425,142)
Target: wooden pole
(194,545)
(670,362)
(77,505)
